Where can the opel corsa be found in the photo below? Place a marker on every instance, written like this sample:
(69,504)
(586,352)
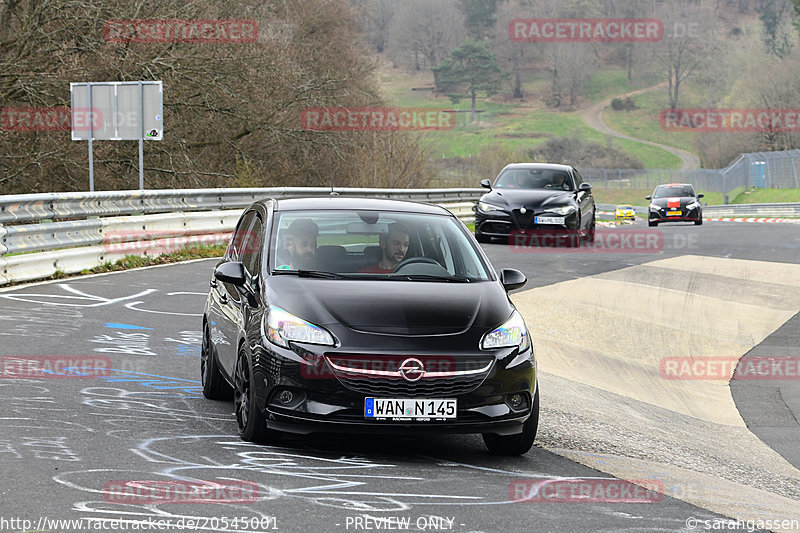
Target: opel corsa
(354,315)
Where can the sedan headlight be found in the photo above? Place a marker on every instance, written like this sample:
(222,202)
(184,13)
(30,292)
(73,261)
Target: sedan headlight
(693,205)
(654,207)
(562,210)
(512,333)
(483,206)
(280,327)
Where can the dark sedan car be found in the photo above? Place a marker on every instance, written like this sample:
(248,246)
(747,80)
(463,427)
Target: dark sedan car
(367,316)
(530,197)
(675,202)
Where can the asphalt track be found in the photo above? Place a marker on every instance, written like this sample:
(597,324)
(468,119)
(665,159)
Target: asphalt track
(601,322)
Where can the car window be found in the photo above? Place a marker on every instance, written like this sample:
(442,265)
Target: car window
(534,178)
(235,245)
(251,250)
(673,191)
(371,244)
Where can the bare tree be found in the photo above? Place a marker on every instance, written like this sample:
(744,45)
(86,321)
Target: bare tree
(684,55)
(427,31)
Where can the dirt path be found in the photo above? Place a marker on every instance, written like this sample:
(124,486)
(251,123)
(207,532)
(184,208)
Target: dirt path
(593,116)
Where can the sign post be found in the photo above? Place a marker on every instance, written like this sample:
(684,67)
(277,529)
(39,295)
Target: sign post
(118,111)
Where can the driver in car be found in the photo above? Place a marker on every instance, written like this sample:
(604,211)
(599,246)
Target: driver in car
(394,246)
(559,182)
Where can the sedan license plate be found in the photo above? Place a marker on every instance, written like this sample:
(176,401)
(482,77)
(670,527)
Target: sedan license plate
(409,409)
(673,213)
(549,220)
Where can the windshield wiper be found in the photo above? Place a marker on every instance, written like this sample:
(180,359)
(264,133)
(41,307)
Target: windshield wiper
(428,277)
(311,273)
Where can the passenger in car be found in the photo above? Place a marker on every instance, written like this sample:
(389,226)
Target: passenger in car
(302,244)
(394,246)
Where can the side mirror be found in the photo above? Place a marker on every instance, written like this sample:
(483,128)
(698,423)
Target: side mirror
(648,197)
(486,184)
(512,279)
(232,273)
(700,195)
(585,187)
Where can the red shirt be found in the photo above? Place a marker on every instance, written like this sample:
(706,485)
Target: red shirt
(375,269)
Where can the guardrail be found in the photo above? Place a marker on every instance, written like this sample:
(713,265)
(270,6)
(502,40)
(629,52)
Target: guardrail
(40,242)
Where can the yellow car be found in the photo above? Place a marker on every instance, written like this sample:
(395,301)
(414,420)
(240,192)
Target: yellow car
(625,212)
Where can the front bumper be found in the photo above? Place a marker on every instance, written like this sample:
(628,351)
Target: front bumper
(503,224)
(687,215)
(323,401)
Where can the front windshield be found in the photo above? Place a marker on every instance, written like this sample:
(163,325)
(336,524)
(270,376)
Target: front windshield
(534,178)
(373,245)
(673,191)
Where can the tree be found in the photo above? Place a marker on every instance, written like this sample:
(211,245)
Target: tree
(479,17)
(683,56)
(427,29)
(777,32)
(470,69)
(231,110)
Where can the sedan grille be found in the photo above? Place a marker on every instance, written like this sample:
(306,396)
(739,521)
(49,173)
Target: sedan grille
(525,220)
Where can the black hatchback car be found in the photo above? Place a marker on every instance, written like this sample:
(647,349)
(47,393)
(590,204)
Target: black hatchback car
(369,316)
(675,202)
(531,197)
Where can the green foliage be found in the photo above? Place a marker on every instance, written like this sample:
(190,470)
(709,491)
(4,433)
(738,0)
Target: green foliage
(472,68)
(479,16)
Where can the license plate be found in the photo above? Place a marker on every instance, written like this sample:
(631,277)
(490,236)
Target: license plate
(409,409)
(673,213)
(549,220)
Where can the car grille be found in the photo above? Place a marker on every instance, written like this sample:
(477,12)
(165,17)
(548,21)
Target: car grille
(464,376)
(523,221)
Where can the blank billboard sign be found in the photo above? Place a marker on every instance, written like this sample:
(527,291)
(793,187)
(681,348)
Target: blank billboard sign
(119,111)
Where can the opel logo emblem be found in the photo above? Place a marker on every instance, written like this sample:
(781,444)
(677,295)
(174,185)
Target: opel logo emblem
(523,210)
(412,369)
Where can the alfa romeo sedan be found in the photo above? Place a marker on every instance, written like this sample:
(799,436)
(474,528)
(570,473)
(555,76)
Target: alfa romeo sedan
(536,197)
(675,202)
(355,315)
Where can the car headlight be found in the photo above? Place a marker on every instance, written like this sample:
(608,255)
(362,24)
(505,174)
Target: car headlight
(512,333)
(280,327)
(562,210)
(693,205)
(654,207)
(483,206)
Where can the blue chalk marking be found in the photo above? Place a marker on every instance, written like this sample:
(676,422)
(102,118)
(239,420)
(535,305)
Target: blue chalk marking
(114,325)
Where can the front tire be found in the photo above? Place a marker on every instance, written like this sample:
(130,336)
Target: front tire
(699,221)
(214,385)
(520,443)
(652,223)
(249,419)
